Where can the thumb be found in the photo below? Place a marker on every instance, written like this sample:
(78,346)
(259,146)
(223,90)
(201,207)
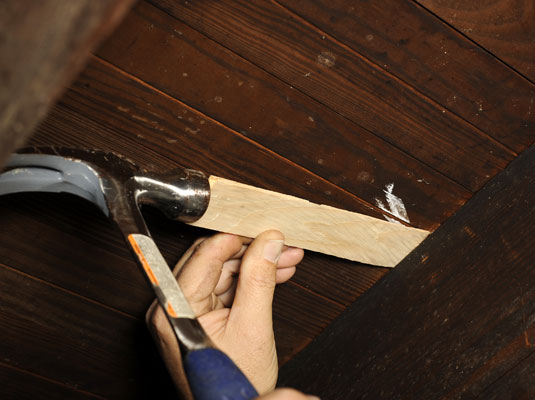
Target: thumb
(252,304)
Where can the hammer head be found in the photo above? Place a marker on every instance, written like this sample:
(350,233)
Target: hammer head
(112,182)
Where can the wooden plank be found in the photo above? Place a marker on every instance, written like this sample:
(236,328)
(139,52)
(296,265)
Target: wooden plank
(248,211)
(44,46)
(67,241)
(515,384)
(410,43)
(451,319)
(343,284)
(298,321)
(65,338)
(506,28)
(21,385)
(312,62)
(286,121)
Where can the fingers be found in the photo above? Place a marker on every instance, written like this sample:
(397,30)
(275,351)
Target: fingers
(200,274)
(290,257)
(207,271)
(256,283)
(287,394)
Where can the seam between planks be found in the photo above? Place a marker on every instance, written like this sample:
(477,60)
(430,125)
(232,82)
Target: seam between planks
(53,381)
(259,145)
(70,292)
(484,389)
(323,297)
(463,35)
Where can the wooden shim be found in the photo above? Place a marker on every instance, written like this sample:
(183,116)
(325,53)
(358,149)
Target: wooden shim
(247,210)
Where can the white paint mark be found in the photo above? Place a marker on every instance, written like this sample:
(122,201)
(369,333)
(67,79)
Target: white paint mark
(218,99)
(192,131)
(530,104)
(395,205)
(326,58)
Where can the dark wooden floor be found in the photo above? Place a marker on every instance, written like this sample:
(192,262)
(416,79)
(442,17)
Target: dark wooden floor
(332,101)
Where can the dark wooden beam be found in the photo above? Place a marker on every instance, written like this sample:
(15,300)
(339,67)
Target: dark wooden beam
(454,318)
(43,46)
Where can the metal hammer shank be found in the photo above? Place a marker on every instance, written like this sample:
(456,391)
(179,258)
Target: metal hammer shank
(118,187)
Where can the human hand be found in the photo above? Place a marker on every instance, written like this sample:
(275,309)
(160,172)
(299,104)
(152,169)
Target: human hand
(229,282)
(287,394)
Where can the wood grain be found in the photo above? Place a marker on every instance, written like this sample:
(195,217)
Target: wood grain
(343,284)
(297,53)
(20,385)
(413,45)
(68,339)
(451,320)
(506,28)
(248,211)
(515,384)
(188,66)
(44,45)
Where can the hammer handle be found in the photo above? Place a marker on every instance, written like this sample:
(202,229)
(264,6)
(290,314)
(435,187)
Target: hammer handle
(213,376)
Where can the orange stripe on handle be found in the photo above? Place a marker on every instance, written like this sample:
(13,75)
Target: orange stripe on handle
(143,261)
(171,311)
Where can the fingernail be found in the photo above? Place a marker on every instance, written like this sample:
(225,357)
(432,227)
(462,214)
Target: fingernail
(272,250)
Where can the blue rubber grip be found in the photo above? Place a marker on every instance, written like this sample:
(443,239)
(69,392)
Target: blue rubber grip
(213,376)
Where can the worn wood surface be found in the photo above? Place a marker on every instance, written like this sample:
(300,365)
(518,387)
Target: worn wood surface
(43,47)
(437,61)
(324,69)
(456,319)
(22,385)
(276,115)
(290,96)
(506,28)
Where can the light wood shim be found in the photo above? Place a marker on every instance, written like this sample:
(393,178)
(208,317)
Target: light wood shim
(248,211)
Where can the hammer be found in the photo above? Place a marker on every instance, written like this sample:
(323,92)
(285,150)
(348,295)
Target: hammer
(118,187)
